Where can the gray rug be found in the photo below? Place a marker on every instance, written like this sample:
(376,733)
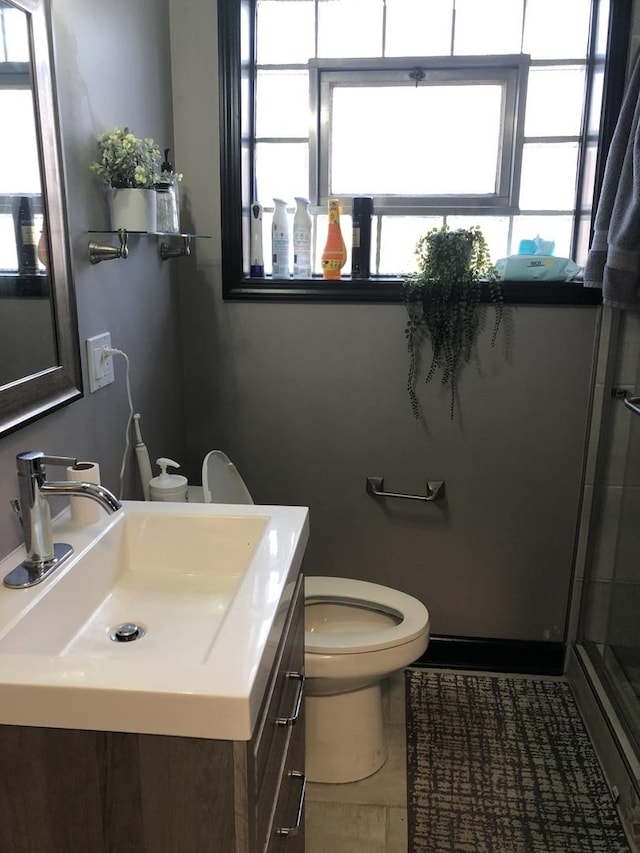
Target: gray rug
(503,765)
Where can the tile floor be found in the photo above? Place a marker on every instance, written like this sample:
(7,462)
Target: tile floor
(369,816)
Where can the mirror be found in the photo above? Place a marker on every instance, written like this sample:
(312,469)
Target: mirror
(39,351)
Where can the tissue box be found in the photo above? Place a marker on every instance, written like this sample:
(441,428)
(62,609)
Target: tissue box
(536,268)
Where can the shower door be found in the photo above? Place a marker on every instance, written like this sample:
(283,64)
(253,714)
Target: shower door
(621,648)
(614,647)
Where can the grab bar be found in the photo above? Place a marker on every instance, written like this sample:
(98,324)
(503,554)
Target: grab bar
(434,491)
(633,403)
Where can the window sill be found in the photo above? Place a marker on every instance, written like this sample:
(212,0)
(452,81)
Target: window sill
(27,286)
(389,290)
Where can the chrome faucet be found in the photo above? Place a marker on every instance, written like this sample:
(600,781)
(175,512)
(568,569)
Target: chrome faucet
(32,507)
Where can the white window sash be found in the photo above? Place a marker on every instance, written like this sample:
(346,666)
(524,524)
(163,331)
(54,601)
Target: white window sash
(510,72)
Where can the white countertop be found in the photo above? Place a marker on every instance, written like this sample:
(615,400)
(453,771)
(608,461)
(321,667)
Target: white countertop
(127,687)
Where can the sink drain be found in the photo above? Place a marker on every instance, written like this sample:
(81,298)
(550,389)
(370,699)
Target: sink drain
(126,633)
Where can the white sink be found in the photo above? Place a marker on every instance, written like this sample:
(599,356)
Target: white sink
(204,582)
(174,575)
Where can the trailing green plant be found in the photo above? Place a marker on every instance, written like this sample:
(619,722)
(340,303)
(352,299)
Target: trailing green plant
(442,300)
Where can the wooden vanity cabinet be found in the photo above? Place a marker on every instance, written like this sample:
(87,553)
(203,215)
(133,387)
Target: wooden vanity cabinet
(70,791)
(271,765)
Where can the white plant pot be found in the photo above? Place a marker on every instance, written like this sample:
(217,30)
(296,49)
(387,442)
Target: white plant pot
(133,209)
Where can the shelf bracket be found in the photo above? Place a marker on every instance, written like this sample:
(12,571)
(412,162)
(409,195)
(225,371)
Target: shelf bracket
(166,252)
(434,490)
(99,253)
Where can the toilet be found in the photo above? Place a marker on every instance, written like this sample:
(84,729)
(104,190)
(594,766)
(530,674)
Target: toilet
(356,634)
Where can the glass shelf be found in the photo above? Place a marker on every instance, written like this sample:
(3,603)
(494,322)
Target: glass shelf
(150,233)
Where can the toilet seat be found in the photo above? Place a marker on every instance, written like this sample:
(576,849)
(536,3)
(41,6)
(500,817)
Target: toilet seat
(414,615)
(221,482)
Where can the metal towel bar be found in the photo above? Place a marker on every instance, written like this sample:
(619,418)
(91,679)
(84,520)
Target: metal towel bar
(633,403)
(435,490)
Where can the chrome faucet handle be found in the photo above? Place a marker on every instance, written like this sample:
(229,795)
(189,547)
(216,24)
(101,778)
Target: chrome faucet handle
(31,465)
(59,460)
(39,458)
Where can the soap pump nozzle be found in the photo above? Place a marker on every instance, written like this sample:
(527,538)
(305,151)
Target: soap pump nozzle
(164,464)
(166,166)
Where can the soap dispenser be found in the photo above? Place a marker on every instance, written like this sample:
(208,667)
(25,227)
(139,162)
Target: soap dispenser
(167,203)
(168,487)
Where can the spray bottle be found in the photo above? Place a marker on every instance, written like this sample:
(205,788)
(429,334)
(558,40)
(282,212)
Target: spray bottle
(334,255)
(361,240)
(302,239)
(280,240)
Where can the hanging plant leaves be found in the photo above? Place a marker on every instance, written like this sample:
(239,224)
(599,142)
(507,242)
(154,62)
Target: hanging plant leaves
(442,301)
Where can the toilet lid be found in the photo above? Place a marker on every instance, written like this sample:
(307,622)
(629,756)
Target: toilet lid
(221,482)
(415,616)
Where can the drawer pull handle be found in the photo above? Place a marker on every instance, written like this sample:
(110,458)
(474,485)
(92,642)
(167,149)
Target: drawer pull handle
(290,721)
(293,830)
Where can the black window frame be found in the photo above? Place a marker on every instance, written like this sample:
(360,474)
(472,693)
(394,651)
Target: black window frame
(236,57)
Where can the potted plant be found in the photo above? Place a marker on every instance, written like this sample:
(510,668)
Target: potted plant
(128,166)
(442,300)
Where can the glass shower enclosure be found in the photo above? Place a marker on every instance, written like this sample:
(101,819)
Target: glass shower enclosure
(609,626)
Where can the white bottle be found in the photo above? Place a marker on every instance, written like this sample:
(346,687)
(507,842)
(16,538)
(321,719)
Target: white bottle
(302,239)
(168,487)
(256,263)
(280,240)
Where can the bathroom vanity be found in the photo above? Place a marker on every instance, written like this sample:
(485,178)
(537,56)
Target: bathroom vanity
(170,785)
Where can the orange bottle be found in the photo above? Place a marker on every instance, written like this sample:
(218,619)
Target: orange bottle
(334,255)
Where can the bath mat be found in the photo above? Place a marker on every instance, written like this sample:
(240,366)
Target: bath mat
(503,765)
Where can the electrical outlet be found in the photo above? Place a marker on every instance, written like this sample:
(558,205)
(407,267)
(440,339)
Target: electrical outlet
(100,367)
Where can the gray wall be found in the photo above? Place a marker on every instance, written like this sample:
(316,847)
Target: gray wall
(112,68)
(310,399)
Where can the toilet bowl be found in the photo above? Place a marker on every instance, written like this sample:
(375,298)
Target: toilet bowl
(356,634)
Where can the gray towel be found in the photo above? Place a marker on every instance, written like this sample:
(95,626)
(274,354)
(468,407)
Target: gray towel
(614,258)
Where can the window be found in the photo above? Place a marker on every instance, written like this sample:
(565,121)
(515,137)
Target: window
(425,105)
(20,175)
(417,118)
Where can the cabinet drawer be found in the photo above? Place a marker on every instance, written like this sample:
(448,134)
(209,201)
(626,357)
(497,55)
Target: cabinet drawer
(287,830)
(282,714)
